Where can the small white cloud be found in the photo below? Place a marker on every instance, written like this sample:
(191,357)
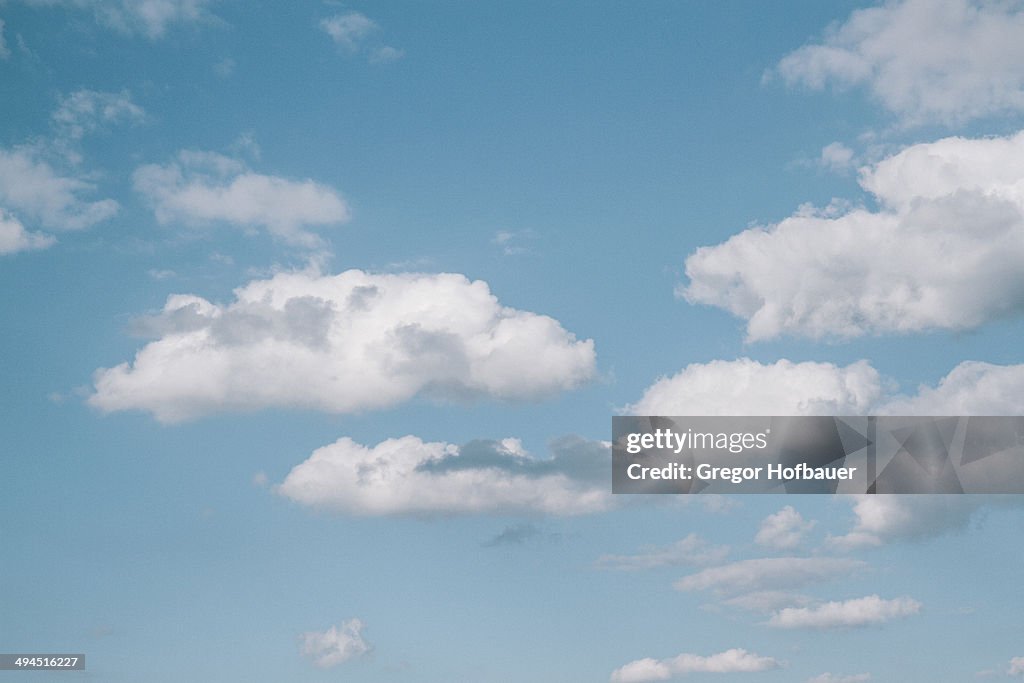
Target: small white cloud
(948,61)
(408,476)
(32,187)
(151,18)
(348,30)
(836,157)
(884,519)
(971,388)
(342,344)
(385,55)
(867,611)
(86,111)
(1016,667)
(14,237)
(336,645)
(736,660)
(691,550)
(839,678)
(783,530)
(201,188)
(942,252)
(770,573)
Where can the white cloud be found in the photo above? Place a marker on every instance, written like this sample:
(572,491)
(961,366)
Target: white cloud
(746,387)
(151,18)
(836,157)
(31,186)
(385,55)
(735,660)
(971,388)
(335,645)
(1016,667)
(867,611)
(348,30)
(204,187)
(14,237)
(341,344)
(691,550)
(884,519)
(942,252)
(948,61)
(767,601)
(837,678)
(5,51)
(85,111)
(783,530)
(770,573)
(408,476)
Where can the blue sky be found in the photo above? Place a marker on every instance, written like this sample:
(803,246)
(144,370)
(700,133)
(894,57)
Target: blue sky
(315,319)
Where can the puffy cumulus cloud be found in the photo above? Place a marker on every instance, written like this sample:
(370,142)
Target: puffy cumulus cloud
(335,645)
(746,387)
(867,611)
(948,61)
(736,660)
(341,344)
(783,530)
(691,550)
(86,111)
(150,18)
(971,388)
(408,476)
(14,237)
(884,519)
(838,678)
(769,574)
(942,252)
(31,186)
(200,188)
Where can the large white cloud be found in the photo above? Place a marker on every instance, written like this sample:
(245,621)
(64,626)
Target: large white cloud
(342,343)
(151,18)
(924,60)
(769,574)
(971,388)
(335,645)
(867,611)
(408,476)
(746,387)
(943,251)
(32,187)
(736,660)
(14,237)
(200,188)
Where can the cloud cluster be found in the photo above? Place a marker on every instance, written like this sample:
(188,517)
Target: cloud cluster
(690,550)
(86,111)
(867,611)
(747,387)
(948,61)
(943,251)
(201,188)
(342,343)
(408,476)
(736,660)
(335,645)
(783,530)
